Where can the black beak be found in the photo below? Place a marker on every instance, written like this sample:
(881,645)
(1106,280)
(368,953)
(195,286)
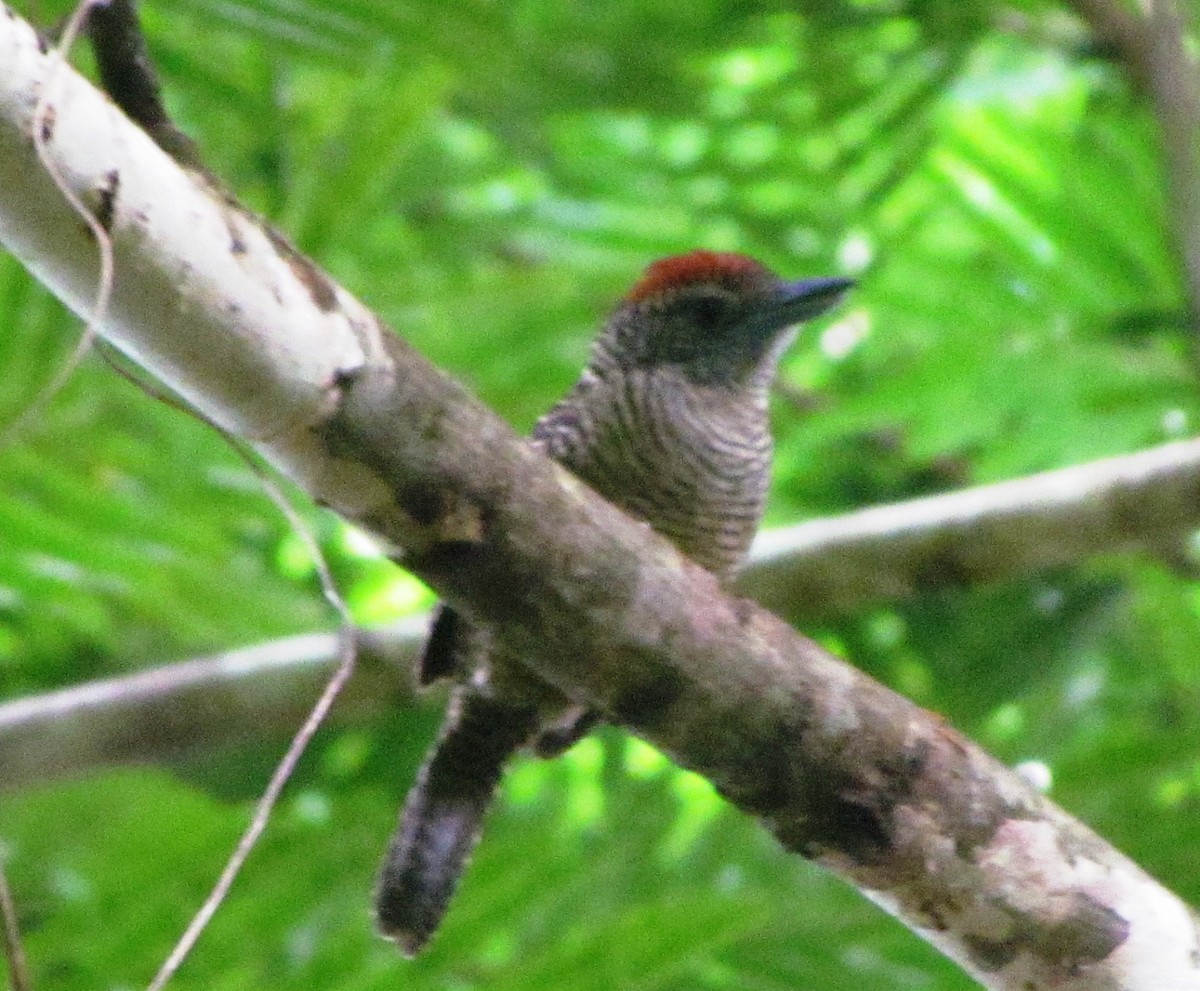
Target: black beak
(807,298)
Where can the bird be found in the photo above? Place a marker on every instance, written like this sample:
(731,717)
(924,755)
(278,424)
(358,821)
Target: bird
(669,422)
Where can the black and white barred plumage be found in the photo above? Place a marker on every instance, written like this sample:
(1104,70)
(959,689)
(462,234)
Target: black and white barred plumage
(691,460)
(668,422)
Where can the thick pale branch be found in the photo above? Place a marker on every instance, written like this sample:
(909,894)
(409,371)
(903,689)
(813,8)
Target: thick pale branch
(840,769)
(205,704)
(888,553)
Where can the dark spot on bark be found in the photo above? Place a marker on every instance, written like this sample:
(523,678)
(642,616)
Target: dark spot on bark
(766,796)
(338,439)
(106,199)
(1127,510)
(855,815)
(49,119)
(933,916)
(852,819)
(899,772)
(237,243)
(759,797)
(915,758)
(1090,934)
(991,955)
(453,518)
(647,703)
(320,289)
(981,830)
(759,778)
(860,826)
(343,378)
(424,503)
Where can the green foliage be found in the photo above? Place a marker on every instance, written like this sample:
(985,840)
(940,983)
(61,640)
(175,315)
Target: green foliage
(489,177)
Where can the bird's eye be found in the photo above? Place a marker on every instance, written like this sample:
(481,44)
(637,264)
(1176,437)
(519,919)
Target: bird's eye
(706,312)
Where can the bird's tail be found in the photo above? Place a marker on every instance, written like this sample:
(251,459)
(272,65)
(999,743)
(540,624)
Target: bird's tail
(443,815)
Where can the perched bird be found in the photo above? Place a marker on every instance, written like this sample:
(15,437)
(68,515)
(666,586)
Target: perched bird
(669,422)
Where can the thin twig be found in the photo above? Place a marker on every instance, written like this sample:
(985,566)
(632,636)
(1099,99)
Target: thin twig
(43,130)
(346,654)
(14,949)
(287,764)
(262,813)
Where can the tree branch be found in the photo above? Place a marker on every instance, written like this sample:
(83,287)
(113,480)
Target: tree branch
(14,948)
(840,769)
(1148,500)
(1153,47)
(205,704)
(825,567)
(129,77)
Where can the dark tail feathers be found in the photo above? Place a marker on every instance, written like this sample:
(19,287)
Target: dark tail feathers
(443,815)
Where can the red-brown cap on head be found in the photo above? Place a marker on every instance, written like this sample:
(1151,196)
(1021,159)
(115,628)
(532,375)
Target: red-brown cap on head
(720,317)
(725,268)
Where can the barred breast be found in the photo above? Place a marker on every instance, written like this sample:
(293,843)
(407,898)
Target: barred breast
(692,461)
